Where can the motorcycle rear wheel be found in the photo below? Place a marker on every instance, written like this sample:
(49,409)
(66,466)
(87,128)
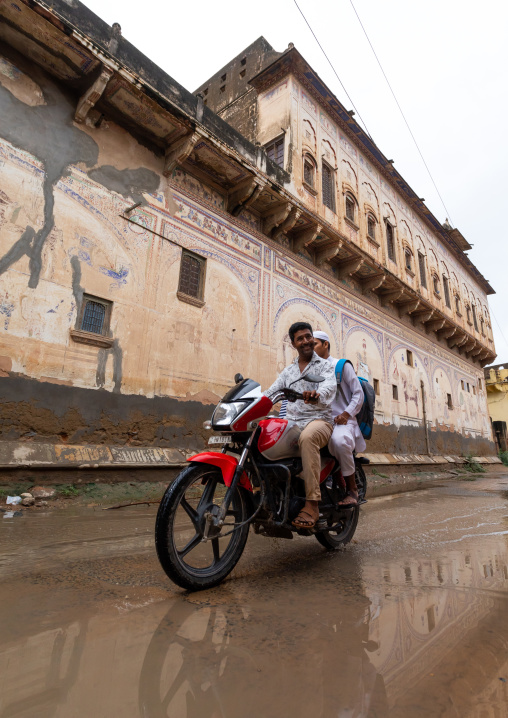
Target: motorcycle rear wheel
(332,540)
(187,560)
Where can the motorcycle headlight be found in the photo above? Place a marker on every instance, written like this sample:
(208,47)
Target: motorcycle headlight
(225,414)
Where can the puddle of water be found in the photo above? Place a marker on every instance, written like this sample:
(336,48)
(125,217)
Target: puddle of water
(400,625)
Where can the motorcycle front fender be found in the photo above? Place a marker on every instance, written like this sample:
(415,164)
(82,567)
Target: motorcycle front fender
(227,464)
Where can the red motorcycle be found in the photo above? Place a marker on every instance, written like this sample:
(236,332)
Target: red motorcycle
(204,517)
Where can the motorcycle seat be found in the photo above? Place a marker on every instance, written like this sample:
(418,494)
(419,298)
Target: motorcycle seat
(325,453)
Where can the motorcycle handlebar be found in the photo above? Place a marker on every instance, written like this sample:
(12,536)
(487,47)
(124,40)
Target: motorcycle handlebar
(292,395)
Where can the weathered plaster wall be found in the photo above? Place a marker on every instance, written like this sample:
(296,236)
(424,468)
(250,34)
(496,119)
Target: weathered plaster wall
(64,188)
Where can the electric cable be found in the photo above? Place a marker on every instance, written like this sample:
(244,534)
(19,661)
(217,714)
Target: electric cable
(334,70)
(499,326)
(401,112)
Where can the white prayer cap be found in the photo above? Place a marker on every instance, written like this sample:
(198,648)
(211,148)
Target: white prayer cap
(323,336)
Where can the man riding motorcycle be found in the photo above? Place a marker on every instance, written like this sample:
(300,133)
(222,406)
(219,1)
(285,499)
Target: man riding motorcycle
(313,414)
(346,436)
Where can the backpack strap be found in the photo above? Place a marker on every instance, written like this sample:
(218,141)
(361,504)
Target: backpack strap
(339,367)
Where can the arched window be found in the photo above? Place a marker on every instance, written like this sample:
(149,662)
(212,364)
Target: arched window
(350,208)
(435,283)
(421,267)
(328,186)
(457,305)
(446,287)
(475,321)
(309,171)
(390,242)
(408,259)
(371,226)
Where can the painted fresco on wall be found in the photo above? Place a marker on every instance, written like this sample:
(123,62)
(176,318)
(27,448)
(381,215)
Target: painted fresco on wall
(93,248)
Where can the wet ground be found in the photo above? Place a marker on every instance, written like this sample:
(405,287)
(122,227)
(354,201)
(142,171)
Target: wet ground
(410,620)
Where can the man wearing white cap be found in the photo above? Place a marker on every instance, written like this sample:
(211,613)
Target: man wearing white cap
(346,436)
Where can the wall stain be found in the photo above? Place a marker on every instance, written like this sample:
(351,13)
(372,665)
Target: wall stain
(128,182)
(47,132)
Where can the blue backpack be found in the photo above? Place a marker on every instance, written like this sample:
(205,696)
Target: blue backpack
(365,416)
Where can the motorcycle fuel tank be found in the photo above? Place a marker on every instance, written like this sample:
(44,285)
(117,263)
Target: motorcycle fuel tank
(278,439)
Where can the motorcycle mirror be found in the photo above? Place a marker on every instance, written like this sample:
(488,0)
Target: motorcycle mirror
(315,378)
(238,378)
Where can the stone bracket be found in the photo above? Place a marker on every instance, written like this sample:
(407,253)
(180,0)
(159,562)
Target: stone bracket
(305,237)
(178,152)
(447,332)
(371,283)
(94,93)
(350,266)
(390,296)
(434,325)
(243,195)
(458,339)
(423,316)
(288,223)
(325,254)
(408,307)
(275,218)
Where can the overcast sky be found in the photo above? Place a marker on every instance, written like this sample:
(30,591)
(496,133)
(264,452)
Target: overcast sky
(446,60)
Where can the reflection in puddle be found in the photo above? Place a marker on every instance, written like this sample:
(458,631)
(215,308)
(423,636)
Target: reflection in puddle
(355,634)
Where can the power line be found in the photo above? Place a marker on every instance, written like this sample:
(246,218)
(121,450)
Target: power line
(401,112)
(499,327)
(333,68)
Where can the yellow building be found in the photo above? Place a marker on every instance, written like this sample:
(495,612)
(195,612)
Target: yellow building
(496,382)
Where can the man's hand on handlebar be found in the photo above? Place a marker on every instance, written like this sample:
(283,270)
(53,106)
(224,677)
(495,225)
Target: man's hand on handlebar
(309,397)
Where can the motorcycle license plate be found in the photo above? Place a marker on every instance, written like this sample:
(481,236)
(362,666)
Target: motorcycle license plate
(219,440)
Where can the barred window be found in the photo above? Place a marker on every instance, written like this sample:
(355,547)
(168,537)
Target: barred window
(390,242)
(421,266)
(192,274)
(95,315)
(446,287)
(275,151)
(328,187)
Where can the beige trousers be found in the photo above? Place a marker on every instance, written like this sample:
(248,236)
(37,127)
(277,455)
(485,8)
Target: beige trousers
(313,437)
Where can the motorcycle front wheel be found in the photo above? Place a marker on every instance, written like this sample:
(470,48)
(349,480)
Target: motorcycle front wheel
(189,561)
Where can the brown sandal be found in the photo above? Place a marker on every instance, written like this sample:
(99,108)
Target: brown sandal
(345,503)
(301,523)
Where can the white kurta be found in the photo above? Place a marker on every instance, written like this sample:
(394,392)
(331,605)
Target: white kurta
(347,438)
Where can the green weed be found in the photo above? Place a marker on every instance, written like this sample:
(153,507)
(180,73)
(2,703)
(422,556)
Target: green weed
(472,466)
(503,455)
(68,491)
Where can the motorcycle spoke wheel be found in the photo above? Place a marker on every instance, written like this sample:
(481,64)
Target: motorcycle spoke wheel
(188,560)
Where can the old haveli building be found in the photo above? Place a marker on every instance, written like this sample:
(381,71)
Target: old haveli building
(496,383)
(153,242)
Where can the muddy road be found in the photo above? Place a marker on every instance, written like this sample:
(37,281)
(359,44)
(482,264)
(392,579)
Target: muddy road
(410,620)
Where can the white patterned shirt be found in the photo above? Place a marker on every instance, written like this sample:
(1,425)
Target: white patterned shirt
(299,411)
